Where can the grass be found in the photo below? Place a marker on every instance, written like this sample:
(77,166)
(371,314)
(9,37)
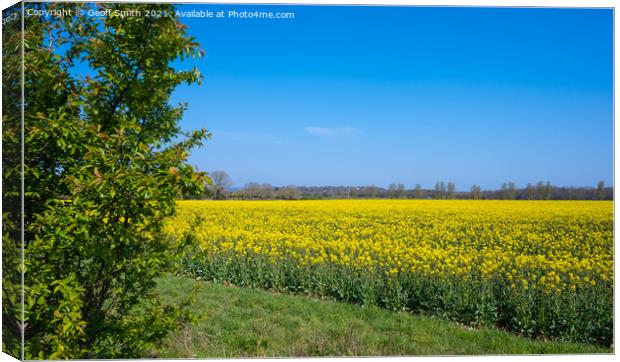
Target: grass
(240,322)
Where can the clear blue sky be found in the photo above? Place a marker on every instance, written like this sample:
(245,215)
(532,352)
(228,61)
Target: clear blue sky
(375,95)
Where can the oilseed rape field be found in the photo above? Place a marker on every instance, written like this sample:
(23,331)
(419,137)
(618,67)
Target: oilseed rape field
(541,269)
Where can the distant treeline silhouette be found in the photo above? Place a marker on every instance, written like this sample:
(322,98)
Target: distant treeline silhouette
(220,189)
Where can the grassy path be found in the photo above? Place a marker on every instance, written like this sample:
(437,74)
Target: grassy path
(238,322)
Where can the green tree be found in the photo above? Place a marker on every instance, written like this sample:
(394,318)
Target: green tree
(11,181)
(105,159)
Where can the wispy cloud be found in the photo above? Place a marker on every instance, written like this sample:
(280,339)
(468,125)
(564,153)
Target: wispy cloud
(332,131)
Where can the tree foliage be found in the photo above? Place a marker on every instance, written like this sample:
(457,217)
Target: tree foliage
(105,159)
(11,181)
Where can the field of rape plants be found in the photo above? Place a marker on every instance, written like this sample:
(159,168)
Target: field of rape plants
(541,269)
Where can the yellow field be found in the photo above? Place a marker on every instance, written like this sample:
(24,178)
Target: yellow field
(507,248)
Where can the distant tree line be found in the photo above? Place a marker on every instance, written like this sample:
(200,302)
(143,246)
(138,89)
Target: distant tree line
(542,190)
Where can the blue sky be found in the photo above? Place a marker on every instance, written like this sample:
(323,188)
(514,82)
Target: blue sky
(375,95)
